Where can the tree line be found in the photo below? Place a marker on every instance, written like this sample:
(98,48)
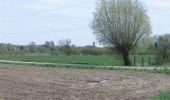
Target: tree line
(121,26)
(155,45)
(64,47)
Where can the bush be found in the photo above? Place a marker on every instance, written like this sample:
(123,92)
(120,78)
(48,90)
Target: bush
(54,53)
(92,51)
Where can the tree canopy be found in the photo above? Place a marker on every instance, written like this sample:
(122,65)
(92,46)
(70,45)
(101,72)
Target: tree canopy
(121,24)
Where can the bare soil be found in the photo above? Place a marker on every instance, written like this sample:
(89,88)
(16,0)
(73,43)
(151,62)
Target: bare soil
(18,82)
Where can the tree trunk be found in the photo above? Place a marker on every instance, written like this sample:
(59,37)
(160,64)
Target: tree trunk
(126,59)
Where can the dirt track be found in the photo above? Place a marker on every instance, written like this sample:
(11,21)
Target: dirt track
(37,83)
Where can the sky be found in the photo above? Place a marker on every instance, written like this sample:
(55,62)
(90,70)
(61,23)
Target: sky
(23,21)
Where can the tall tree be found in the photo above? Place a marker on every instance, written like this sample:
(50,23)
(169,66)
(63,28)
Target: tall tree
(121,24)
(32,47)
(164,45)
(66,46)
(50,45)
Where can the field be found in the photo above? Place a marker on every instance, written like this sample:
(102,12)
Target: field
(21,82)
(113,60)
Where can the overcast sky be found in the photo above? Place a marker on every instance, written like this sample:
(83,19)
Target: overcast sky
(23,21)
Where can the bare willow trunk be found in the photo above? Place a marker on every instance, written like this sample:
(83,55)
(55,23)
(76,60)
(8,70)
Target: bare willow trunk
(126,59)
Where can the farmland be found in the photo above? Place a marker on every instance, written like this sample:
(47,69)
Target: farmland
(84,50)
(108,60)
(42,83)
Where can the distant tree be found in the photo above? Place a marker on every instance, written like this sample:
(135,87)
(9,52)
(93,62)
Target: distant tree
(91,50)
(42,49)
(94,44)
(75,50)
(66,46)
(145,47)
(50,45)
(32,47)
(164,45)
(121,24)
(47,44)
(21,48)
(3,49)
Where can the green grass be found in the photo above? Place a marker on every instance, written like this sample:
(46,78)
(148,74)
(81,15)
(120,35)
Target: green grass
(146,59)
(86,62)
(161,96)
(113,60)
(78,59)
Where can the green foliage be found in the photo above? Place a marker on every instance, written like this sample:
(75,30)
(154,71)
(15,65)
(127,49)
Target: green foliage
(65,45)
(9,49)
(164,47)
(54,53)
(121,24)
(32,47)
(49,45)
(165,70)
(92,51)
(146,59)
(75,50)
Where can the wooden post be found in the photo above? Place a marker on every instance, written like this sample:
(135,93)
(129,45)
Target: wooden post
(134,60)
(150,60)
(142,63)
(157,60)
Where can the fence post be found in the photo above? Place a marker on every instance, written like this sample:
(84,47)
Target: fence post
(150,60)
(134,60)
(142,63)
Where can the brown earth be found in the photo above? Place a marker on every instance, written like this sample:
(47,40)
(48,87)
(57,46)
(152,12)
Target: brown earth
(19,82)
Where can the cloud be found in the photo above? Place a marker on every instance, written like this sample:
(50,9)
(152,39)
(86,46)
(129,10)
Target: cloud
(24,8)
(36,4)
(159,12)
(157,7)
(162,3)
(157,3)
(53,2)
(83,10)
